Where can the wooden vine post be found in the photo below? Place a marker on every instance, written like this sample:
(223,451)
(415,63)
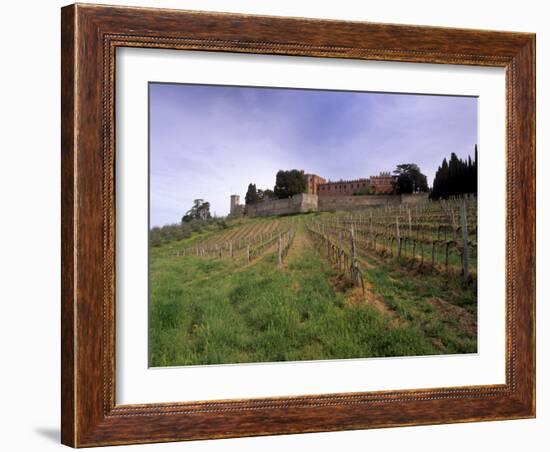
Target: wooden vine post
(354,270)
(398,237)
(464,228)
(280,260)
(371,234)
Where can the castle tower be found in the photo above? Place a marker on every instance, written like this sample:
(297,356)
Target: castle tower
(234,204)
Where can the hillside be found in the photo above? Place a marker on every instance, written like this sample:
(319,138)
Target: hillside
(283,289)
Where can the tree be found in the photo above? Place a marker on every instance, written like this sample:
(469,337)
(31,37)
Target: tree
(266,195)
(251,195)
(456,177)
(440,181)
(199,211)
(410,179)
(474,172)
(289,183)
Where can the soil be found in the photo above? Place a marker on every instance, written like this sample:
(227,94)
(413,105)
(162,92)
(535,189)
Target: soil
(466,321)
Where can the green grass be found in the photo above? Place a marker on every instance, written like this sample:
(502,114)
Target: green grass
(205,311)
(443,307)
(220,311)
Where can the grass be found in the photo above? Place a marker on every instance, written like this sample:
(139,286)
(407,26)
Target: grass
(443,307)
(223,311)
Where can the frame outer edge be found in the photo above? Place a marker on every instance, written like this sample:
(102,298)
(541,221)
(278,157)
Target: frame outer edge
(86,420)
(68,229)
(526,218)
(534,225)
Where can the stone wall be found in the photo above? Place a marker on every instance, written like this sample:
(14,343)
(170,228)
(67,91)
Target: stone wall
(301,203)
(417,198)
(333,203)
(312,203)
(237,211)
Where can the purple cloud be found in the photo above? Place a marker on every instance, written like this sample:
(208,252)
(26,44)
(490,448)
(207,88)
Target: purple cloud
(211,141)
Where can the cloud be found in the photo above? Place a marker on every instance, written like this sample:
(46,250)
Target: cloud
(209,142)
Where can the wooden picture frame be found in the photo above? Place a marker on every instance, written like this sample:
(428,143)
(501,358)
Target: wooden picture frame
(90,36)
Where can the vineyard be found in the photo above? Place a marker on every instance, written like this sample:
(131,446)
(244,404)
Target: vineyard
(440,236)
(386,281)
(249,242)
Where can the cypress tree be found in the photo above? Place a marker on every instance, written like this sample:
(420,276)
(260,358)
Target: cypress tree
(455,177)
(251,195)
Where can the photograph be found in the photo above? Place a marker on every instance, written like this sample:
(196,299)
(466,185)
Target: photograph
(294,224)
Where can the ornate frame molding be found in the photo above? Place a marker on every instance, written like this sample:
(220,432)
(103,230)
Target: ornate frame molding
(90,36)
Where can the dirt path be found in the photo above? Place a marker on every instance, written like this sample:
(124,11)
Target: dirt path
(300,243)
(341,283)
(466,321)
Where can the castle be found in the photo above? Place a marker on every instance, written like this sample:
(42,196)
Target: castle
(236,209)
(383,184)
(323,195)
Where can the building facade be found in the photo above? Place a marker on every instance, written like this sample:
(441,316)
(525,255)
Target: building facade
(344,187)
(317,186)
(313,182)
(383,184)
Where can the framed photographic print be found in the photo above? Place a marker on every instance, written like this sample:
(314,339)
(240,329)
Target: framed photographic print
(281,225)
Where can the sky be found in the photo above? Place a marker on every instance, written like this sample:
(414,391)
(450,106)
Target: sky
(210,142)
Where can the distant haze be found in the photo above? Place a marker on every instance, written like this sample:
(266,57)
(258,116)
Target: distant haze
(212,141)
